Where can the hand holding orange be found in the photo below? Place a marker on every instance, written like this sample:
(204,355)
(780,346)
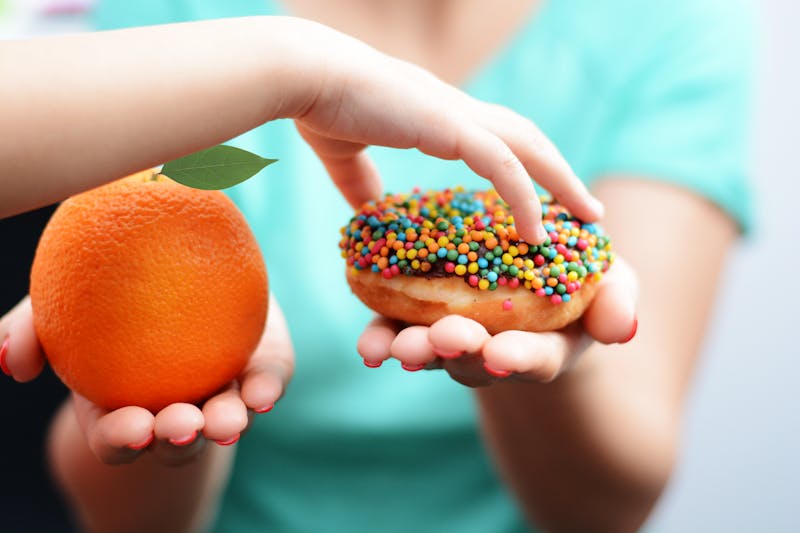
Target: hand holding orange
(146,292)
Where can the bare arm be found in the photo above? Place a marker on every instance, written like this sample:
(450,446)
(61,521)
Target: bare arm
(86,109)
(594,449)
(586,434)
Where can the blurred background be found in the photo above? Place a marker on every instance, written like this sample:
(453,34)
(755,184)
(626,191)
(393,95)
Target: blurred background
(739,471)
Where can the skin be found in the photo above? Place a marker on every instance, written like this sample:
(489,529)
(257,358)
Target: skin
(173,483)
(584,420)
(594,424)
(305,71)
(117,93)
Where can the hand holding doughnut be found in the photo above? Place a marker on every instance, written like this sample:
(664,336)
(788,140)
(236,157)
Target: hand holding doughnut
(473,357)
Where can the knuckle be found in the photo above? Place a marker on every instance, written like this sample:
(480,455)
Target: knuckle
(536,141)
(509,162)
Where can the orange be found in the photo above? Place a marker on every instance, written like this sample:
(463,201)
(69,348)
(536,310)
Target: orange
(146,292)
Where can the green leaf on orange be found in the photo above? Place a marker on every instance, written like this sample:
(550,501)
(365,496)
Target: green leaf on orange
(215,168)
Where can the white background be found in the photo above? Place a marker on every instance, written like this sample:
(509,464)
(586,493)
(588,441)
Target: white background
(740,468)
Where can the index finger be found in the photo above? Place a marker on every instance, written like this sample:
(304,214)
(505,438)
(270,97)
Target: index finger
(488,156)
(542,160)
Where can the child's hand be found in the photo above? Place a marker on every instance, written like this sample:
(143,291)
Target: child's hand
(368,98)
(179,431)
(474,358)
(243,72)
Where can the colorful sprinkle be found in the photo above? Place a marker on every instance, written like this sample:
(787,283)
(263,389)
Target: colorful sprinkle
(472,235)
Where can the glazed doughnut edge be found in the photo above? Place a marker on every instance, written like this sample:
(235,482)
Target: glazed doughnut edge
(423,300)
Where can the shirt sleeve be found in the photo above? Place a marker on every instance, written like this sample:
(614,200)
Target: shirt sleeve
(681,109)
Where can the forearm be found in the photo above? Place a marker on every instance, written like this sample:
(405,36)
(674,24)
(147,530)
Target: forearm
(591,451)
(80,110)
(144,496)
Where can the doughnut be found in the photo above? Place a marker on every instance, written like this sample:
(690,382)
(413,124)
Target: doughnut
(421,256)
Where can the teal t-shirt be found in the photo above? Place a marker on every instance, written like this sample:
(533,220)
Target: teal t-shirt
(657,89)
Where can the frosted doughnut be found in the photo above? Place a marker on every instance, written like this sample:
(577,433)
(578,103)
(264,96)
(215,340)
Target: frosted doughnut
(421,256)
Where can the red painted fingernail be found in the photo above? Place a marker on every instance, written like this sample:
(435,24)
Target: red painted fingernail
(447,355)
(232,440)
(496,373)
(183,441)
(633,331)
(413,368)
(372,364)
(3,352)
(142,445)
(265,409)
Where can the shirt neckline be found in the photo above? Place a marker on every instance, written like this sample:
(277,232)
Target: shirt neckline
(533,20)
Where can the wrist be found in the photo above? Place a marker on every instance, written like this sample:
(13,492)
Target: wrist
(297,57)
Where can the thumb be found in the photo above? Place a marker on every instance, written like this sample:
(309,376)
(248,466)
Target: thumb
(611,317)
(21,355)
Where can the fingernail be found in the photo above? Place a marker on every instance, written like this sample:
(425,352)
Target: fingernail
(265,409)
(447,355)
(413,368)
(633,331)
(232,440)
(183,441)
(372,364)
(142,445)
(496,373)
(3,352)
(541,234)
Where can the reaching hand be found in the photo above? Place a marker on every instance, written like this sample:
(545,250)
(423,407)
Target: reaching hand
(369,98)
(243,72)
